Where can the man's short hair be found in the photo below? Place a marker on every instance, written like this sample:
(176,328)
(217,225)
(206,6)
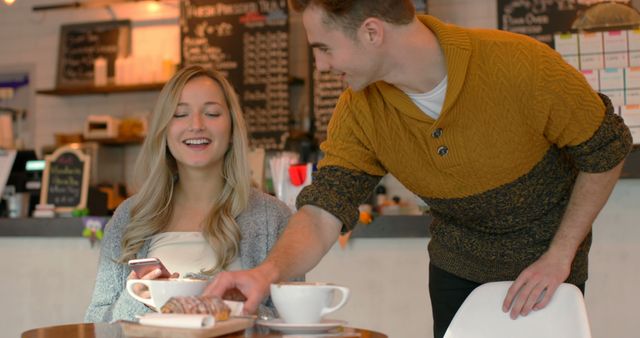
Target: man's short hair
(348,15)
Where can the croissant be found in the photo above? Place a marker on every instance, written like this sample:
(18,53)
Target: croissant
(198,305)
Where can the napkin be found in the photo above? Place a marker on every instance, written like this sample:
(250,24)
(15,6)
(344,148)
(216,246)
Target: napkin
(178,320)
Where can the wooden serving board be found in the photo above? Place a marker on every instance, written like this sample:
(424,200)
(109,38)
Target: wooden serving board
(219,329)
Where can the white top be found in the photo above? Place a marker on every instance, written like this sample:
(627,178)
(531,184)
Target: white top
(185,252)
(431,102)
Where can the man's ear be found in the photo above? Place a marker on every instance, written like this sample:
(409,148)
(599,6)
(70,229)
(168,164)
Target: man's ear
(372,31)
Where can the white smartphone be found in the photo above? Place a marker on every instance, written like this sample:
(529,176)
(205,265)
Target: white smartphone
(143,266)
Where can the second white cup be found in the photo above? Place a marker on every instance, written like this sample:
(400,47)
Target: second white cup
(307,303)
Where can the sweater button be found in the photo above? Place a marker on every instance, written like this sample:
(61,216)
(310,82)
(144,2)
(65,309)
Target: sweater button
(437,133)
(443,150)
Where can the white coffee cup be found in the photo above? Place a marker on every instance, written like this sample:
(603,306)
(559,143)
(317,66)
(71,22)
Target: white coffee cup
(160,290)
(306,303)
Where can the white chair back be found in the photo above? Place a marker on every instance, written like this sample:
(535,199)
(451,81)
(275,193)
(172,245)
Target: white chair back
(481,316)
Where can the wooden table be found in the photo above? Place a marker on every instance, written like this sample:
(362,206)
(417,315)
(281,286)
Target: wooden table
(104,330)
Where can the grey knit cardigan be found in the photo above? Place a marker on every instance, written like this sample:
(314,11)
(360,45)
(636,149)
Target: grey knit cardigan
(260,224)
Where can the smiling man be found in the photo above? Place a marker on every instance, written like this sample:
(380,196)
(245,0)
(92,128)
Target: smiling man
(509,145)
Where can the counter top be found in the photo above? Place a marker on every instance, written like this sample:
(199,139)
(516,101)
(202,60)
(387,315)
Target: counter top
(631,167)
(41,227)
(401,226)
(396,226)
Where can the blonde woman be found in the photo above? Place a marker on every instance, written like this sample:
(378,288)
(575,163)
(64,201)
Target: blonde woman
(195,209)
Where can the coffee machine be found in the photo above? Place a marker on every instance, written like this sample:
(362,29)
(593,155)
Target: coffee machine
(18,199)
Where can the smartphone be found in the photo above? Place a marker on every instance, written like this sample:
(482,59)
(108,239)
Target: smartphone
(143,266)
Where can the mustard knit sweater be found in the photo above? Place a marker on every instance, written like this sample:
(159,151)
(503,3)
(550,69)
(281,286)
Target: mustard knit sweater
(497,167)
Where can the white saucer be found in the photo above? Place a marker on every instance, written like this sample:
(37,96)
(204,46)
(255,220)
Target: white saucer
(279,325)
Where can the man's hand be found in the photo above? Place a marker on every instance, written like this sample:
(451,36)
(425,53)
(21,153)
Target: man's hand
(310,233)
(590,193)
(252,283)
(536,284)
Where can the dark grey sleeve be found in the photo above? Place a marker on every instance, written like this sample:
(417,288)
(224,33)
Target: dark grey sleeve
(609,145)
(339,191)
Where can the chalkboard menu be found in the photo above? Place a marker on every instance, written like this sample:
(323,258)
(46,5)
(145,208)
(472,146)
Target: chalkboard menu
(81,44)
(66,179)
(327,88)
(539,19)
(248,41)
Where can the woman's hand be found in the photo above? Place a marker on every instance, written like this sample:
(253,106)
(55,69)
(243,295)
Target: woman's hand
(142,290)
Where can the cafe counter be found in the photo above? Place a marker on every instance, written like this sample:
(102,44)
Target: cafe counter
(397,226)
(41,227)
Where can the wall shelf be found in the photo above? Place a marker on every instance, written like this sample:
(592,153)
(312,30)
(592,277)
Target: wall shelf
(120,141)
(88,90)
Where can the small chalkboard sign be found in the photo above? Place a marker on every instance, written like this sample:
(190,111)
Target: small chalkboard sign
(65,182)
(81,44)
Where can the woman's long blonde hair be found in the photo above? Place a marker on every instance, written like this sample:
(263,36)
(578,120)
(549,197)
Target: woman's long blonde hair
(156,174)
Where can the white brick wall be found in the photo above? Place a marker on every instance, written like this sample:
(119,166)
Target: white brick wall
(30,39)
(468,13)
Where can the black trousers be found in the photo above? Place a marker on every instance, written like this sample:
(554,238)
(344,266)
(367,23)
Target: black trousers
(447,293)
